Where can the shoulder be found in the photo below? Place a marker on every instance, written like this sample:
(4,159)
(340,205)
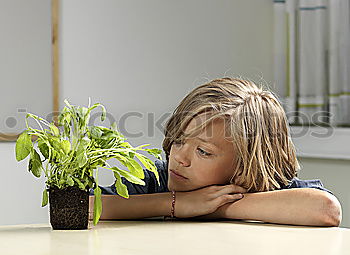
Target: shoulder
(298,183)
(162,168)
(162,165)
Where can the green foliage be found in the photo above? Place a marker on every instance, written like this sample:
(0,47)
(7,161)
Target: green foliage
(45,198)
(23,146)
(35,164)
(74,151)
(97,205)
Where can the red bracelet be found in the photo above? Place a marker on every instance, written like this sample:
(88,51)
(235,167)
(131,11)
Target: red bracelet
(173,205)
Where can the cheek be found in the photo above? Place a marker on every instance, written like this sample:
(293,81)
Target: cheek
(219,175)
(210,176)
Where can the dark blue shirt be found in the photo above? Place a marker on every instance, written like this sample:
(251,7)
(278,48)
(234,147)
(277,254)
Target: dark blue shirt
(151,185)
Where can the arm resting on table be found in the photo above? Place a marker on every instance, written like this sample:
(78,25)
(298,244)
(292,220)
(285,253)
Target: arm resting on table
(301,206)
(135,207)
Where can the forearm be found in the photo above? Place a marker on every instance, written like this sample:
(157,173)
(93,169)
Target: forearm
(303,206)
(135,207)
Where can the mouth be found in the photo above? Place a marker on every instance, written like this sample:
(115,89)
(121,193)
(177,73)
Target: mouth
(177,175)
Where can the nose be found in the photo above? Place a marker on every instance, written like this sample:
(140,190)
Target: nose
(181,155)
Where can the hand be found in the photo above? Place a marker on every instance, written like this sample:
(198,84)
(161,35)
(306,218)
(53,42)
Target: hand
(206,200)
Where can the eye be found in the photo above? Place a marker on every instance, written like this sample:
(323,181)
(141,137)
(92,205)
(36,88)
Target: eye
(203,152)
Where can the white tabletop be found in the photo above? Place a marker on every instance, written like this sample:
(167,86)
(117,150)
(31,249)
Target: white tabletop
(156,236)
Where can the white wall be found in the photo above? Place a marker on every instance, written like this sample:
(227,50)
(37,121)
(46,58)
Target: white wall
(25,62)
(20,197)
(25,80)
(145,56)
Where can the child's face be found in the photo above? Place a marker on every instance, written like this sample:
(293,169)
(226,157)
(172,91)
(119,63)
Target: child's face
(191,158)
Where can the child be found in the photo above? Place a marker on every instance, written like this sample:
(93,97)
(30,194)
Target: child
(228,155)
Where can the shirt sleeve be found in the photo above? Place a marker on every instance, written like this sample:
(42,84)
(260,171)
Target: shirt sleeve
(151,184)
(315,183)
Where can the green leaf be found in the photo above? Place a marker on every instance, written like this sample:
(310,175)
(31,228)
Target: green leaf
(82,158)
(35,165)
(123,156)
(61,116)
(141,146)
(23,146)
(65,144)
(89,183)
(129,176)
(103,115)
(97,204)
(44,149)
(66,102)
(55,156)
(70,181)
(35,117)
(96,132)
(66,131)
(135,168)
(84,143)
(108,135)
(64,120)
(114,126)
(55,131)
(155,152)
(82,112)
(45,198)
(55,143)
(125,144)
(68,117)
(81,153)
(121,188)
(80,184)
(149,165)
(62,181)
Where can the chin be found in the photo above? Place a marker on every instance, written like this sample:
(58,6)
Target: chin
(177,187)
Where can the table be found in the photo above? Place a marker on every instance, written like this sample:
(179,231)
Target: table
(157,236)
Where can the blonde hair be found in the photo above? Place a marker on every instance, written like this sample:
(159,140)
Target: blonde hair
(257,125)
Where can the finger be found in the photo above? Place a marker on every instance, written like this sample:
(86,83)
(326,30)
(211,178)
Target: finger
(237,188)
(231,188)
(228,198)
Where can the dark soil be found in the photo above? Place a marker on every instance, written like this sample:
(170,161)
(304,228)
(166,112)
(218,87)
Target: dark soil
(69,208)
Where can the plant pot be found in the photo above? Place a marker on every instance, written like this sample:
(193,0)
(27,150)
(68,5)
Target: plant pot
(69,208)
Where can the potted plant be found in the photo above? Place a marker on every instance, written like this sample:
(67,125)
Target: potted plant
(74,152)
